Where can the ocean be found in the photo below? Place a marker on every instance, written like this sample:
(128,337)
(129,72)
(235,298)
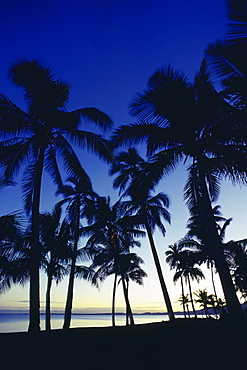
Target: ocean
(15,322)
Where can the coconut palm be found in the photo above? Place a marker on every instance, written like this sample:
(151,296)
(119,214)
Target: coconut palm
(132,271)
(236,254)
(37,138)
(14,252)
(173,259)
(228,57)
(56,240)
(150,211)
(202,241)
(189,271)
(203,299)
(75,196)
(191,121)
(111,234)
(184,301)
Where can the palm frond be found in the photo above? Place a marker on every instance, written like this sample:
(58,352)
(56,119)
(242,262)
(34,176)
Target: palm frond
(226,60)
(93,115)
(237,15)
(51,166)
(92,142)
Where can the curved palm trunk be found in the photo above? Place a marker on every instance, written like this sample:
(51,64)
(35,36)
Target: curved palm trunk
(127,312)
(182,285)
(48,303)
(233,305)
(127,301)
(113,300)
(212,277)
(69,301)
(34,293)
(191,297)
(159,271)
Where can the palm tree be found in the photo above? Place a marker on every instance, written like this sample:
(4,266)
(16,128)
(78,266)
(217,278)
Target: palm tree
(179,120)
(111,234)
(75,195)
(173,259)
(203,299)
(14,252)
(184,301)
(236,255)
(135,174)
(56,242)
(187,269)
(132,271)
(228,57)
(37,138)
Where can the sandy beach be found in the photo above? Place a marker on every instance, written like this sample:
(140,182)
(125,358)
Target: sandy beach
(184,344)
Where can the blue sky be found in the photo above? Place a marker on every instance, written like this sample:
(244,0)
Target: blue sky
(106,50)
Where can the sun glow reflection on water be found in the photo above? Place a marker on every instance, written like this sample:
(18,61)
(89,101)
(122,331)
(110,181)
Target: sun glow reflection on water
(19,322)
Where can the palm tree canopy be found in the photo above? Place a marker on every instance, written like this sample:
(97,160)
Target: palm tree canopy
(46,128)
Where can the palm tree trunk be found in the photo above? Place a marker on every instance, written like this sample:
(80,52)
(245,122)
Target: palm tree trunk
(127,312)
(113,299)
(34,293)
(182,285)
(233,305)
(212,277)
(48,302)
(159,271)
(127,301)
(70,293)
(188,310)
(69,301)
(191,297)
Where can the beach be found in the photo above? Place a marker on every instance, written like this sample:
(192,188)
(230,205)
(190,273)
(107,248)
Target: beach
(191,344)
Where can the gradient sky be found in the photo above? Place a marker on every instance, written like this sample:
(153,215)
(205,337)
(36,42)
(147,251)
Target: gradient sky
(106,50)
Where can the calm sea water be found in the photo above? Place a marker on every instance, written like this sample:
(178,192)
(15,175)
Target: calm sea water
(19,322)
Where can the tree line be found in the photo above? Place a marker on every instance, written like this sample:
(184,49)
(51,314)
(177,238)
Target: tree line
(179,122)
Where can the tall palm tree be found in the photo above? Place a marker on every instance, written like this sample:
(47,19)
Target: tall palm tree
(132,271)
(135,174)
(75,196)
(55,238)
(111,234)
(189,272)
(39,137)
(191,121)
(173,255)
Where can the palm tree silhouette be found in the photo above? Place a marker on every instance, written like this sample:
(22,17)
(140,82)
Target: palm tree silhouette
(132,271)
(14,252)
(184,301)
(111,234)
(38,138)
(56,240)
(135,174)
(186,268)
(179,120)
(173,259)
(236,255)
(75,195)
(228,57)
(203,299)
